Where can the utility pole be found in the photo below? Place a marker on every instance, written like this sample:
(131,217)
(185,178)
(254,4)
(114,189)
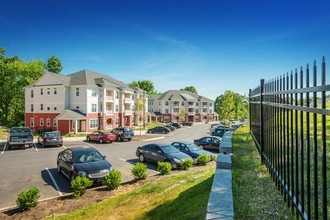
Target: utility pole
(144,110)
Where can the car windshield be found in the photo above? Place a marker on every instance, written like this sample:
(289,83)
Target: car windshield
(128,129)
(169,149)
(193,147)
(52,135)
(87,156)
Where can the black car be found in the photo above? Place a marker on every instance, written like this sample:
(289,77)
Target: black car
(159,130)
(176,125)
(86,162)
(220,131)
(52,138)
(209,142)
(191,149)
(125,133)
(172,128)
(161,153)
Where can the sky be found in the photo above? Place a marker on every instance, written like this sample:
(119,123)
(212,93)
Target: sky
(213,45)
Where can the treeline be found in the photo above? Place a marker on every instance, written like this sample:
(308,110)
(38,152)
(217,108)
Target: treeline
(15,74)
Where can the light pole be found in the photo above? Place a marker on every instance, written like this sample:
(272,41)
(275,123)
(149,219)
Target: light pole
(144,112)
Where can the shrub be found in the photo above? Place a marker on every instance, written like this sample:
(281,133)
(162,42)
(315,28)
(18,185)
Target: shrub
(164,168)
(28,198)
(79,186)
(113,179)
(203,159)
(140,171)
(213,158)
(186,164)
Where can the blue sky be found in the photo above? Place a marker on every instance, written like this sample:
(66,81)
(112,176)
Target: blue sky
(213,45)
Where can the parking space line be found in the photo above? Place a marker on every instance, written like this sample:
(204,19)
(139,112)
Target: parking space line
(90,144)
(64,147)
(35,146)
(55,184)
(4,148)
(122,159)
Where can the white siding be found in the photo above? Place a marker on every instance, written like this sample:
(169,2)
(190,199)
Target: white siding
(80,100)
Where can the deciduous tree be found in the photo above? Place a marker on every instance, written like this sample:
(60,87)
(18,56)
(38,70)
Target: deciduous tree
(54,64)
(190,89)
(146,85)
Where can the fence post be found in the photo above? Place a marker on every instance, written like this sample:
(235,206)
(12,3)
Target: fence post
(262,144)
(250,91)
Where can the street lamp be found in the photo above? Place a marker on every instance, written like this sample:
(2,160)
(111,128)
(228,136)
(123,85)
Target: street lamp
(144,112)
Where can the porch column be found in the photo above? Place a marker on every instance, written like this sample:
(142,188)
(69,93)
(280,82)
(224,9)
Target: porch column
(75,126)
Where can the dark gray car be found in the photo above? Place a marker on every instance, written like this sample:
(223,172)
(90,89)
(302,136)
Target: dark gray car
(161,153)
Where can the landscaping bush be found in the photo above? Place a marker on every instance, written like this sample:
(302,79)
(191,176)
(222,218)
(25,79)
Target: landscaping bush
(186,164)
(113,179)
(164,168)
(28,198)
(203,159)
(79,186)
(213,158)
(139,171)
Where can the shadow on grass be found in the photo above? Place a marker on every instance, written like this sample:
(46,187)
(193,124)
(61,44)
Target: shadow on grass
(190,204)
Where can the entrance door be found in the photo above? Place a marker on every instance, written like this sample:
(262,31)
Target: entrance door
(83,126)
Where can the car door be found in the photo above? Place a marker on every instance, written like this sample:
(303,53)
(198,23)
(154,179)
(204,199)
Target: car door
(215,143)
(157,154)
(41,138)
(207,142)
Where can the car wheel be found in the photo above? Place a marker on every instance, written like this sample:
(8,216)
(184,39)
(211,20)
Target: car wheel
(141,158)
(119,138)
(88,139)
(164,132)
(30,145)
(129,139)
(58,169)
(101,141)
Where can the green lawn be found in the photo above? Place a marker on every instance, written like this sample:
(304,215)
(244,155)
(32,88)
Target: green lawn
(177,196)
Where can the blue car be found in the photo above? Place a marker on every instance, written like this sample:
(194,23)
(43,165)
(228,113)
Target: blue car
(191,149)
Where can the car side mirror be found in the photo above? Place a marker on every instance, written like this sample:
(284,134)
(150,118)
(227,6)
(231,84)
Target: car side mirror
(104,156)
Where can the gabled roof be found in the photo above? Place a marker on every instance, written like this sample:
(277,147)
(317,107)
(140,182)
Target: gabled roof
(69,114)
(153,97)
(178,95)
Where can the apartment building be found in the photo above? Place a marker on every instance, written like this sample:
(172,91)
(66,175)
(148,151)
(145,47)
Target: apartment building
(177,105)
(84,101)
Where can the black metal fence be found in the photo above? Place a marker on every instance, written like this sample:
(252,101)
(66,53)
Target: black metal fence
(289,121)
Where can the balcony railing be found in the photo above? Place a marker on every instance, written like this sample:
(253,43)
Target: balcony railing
(128,100)
(109,112)
(128,112)
(191,113)
(109,98)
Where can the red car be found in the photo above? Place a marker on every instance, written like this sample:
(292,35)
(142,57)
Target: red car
(101,136)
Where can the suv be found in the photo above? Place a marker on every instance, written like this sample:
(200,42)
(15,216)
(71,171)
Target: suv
(123,133)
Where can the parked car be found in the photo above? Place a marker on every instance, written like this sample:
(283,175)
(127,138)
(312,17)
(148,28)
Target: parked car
(209,142)
(191,149)
(51,138)
(187,123)
(101,136)
(212,129)
(86,162)
(125,133)
(20,136)
(161,153)
(172,128)
(220,131)
(176,125)
(159,130)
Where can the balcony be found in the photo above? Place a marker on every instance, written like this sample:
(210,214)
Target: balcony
(128,112)
(109,112)
(109,98)
(175,113)
(128,100)
(191,113)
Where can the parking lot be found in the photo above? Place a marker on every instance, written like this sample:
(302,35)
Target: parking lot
(24,168)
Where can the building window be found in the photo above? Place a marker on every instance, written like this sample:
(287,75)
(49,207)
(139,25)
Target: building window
(117,108)
(41,91)
(197,103)
(182,103)
(48,122)
(210,104)
(73,125)
(101,107)
(55,91)
(31,107)
(32,122)
(54,123)
(167,119)
(93,123)
(94,92)
(48,91)
(31,93)
(117,121)
(41,107)
(77,107)
(55,108)
(166,110)
(166,102)
(41,122)
(77,91)
(93,107)
(117,96)
(48,108)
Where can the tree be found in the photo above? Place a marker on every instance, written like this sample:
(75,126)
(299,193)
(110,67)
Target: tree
(139,108)
(182,115)
(231,105)
(15,74)
(146,85)
(54,65)
(190,89)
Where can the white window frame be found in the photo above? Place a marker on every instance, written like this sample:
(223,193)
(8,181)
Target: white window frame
(31,122)
(94,93)
(94,107)
(117,121)
(93,123)
(48,122)
(54,123)
(77,91)
(41,122)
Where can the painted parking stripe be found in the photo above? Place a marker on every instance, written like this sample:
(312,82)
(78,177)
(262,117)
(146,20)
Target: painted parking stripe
(55,184)
(35,146)
(153,139)
(122,159)
(4,148)
(90,144)
(64,147)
